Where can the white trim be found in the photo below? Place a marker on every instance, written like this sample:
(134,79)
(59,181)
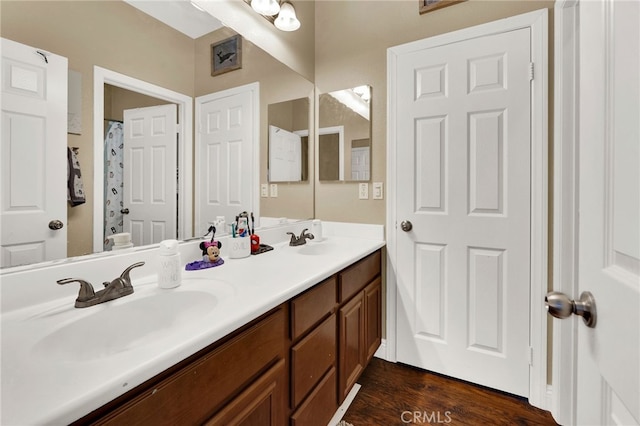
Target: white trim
(102,76)
(565,215)
(381,352)
(537,21)
(254,90)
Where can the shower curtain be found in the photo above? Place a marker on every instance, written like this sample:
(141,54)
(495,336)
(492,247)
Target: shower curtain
(113,183)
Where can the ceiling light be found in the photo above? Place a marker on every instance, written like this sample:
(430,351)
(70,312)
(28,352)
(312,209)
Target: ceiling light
(286,20)
(266,7)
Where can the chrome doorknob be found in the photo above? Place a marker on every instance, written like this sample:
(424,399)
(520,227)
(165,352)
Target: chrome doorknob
(406,226)
(124,211)
(560,306)
(55,225)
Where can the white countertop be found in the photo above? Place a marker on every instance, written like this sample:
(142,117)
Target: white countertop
(43,384)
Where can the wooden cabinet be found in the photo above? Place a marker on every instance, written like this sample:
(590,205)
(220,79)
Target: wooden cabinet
(360,326)
(294,365)
(313,355)
(216,378)
(263,403)
(373,318)
(352,360)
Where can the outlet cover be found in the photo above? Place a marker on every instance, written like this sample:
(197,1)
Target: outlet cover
(363,191)
(264,190)
(377,191)
(273,189)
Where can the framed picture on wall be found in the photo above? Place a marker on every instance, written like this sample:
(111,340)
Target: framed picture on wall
(429,5)
(226,55)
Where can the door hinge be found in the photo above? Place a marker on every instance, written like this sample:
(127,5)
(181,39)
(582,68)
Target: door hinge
(531,68)
(531,355)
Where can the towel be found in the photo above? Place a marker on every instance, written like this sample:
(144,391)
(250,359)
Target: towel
(75,189)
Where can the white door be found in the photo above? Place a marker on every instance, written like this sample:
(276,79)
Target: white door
(360,168)
(33,155)
(285,156)
(463,178)
(225,163)
(150,175)
(608,379)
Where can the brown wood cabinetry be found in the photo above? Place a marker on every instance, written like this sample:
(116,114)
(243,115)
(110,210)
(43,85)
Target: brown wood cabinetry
(360,327)
(294,365)
(313,355)
(213,380)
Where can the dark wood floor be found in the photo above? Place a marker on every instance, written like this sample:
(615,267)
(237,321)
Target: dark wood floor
(397,394)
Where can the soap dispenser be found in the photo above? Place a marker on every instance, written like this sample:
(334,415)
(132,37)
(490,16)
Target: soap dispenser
(169,267)
(316,230)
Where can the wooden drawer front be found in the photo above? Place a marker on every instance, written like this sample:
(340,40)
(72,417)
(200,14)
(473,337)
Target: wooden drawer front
(311,307)
(262,403)
(354,278)
(311,358)
(318,409)
(195,393)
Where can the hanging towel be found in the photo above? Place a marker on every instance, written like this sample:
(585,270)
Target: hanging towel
(75,189)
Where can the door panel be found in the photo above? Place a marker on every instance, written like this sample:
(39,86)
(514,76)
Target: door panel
(226,129)
(464,182)
(34,155)
(150,173)
(608,388)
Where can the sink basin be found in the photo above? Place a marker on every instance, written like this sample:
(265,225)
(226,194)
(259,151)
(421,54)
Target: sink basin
(125,325)
(315,249)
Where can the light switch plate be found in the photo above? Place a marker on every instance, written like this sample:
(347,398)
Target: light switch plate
(264,190)
(377,191)
(363,191)
(273,189)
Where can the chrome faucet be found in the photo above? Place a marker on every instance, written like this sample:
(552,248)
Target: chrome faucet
(119,287)
(302,239)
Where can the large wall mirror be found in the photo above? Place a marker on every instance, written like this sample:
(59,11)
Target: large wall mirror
(150,51)
(344,135)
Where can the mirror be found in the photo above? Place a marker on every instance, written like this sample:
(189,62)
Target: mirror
(148,50)
(289,141)
(344,135)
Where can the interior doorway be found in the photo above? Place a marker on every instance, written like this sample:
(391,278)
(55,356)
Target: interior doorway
(184,104)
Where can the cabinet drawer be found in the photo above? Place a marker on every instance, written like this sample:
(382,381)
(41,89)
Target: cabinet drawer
(311,358)
(262,403)
(200,389)
(354,278)
(318,409)
(312,306)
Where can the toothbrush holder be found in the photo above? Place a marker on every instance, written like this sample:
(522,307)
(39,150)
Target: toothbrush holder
(239,247)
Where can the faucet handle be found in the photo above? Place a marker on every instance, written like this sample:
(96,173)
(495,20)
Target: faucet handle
(124,277)
(86,289)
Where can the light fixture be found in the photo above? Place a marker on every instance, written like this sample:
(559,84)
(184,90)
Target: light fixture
(266,7)
(286,20)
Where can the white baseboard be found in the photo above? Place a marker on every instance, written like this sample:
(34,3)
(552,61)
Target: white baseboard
(342,409)
(382,350)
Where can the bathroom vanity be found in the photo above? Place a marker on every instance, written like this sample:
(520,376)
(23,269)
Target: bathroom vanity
(299,360)
(281,336)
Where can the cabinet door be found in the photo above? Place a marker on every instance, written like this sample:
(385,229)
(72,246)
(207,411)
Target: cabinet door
(352,344)
(261,404)
(373,321)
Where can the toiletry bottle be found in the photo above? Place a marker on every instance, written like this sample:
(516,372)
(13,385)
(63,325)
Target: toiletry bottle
(169,265)
(316,230)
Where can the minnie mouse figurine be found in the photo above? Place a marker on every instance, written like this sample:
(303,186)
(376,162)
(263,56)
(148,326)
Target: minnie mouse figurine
(210,251)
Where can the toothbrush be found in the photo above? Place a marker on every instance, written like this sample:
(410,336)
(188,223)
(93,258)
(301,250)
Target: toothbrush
(253,225)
